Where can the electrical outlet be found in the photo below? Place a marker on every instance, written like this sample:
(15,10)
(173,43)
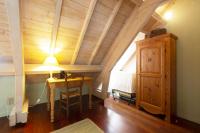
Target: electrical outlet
(10,100)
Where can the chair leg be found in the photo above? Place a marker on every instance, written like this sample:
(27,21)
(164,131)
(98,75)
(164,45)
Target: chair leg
(80,104)
(81,100)
(60,103)
(67,108)
(67,111)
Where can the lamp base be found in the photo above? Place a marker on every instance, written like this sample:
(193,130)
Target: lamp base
(51,78)
(51,75)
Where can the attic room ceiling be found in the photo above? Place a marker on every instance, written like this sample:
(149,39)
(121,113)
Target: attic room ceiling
(107,17)
(5,44)
(37,20)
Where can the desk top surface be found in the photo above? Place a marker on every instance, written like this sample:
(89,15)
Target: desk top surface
(54,80)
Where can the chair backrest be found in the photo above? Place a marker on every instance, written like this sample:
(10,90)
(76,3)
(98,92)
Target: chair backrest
(74,80)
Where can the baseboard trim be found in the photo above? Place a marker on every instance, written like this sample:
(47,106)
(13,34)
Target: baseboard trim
(12,117)
(195,127)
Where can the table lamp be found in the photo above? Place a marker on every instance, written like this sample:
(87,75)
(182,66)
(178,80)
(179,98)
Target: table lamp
(51,62)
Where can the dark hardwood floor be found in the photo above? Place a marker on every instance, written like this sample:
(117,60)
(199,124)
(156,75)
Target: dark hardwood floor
(115,117)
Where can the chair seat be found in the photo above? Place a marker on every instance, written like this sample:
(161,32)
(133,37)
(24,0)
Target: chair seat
(71,94)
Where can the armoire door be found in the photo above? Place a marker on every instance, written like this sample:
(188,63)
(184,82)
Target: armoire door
(151,76)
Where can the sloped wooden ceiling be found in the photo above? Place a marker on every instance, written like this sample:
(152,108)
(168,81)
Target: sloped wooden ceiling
(99,19)
(98,32)
(123,14)
(38,16)
(72,18)
(5,44)
(37,21)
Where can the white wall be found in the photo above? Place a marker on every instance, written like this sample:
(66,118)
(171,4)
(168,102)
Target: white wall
(7,86)
(35,90)
(186,25)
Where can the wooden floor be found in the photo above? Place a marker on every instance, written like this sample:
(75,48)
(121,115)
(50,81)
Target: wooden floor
(115,117)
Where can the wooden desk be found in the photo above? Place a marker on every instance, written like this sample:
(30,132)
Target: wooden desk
(52,84)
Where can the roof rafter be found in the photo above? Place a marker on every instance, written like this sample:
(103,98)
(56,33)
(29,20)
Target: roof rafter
(56,25)
(133,25)
(84,29)
(137,2)
(155,15)
(158,18)
(105,30)
(160,21)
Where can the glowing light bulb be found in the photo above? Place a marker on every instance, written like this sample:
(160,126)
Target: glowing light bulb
(51,60)
(168,15)
(51,63)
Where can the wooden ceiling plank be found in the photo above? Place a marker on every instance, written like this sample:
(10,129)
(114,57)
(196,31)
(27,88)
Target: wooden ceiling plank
(105,30)
(84,29)
(56,25)
(134,24)
(13,8)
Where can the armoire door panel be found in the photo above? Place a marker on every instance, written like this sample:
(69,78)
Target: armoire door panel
(151,90)
(150,60)
(151,74)
(151,57)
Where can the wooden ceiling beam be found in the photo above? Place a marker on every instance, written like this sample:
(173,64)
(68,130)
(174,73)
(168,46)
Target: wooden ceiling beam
(84,29)
(105,30)
(158,18)
(165,6)
(56,25)
(13,9)
(155,15)
(41,69)
(137,2)
(160,21)
(133,25)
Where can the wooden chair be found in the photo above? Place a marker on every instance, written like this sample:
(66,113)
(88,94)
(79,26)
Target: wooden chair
(73,90)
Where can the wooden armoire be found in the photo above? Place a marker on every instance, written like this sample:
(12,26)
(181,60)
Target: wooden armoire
(156,75)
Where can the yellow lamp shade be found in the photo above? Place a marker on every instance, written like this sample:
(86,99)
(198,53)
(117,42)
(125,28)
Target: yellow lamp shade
(51,61)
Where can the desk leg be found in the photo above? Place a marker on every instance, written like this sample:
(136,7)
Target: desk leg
(48,98)
(90,94)
(52,104)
